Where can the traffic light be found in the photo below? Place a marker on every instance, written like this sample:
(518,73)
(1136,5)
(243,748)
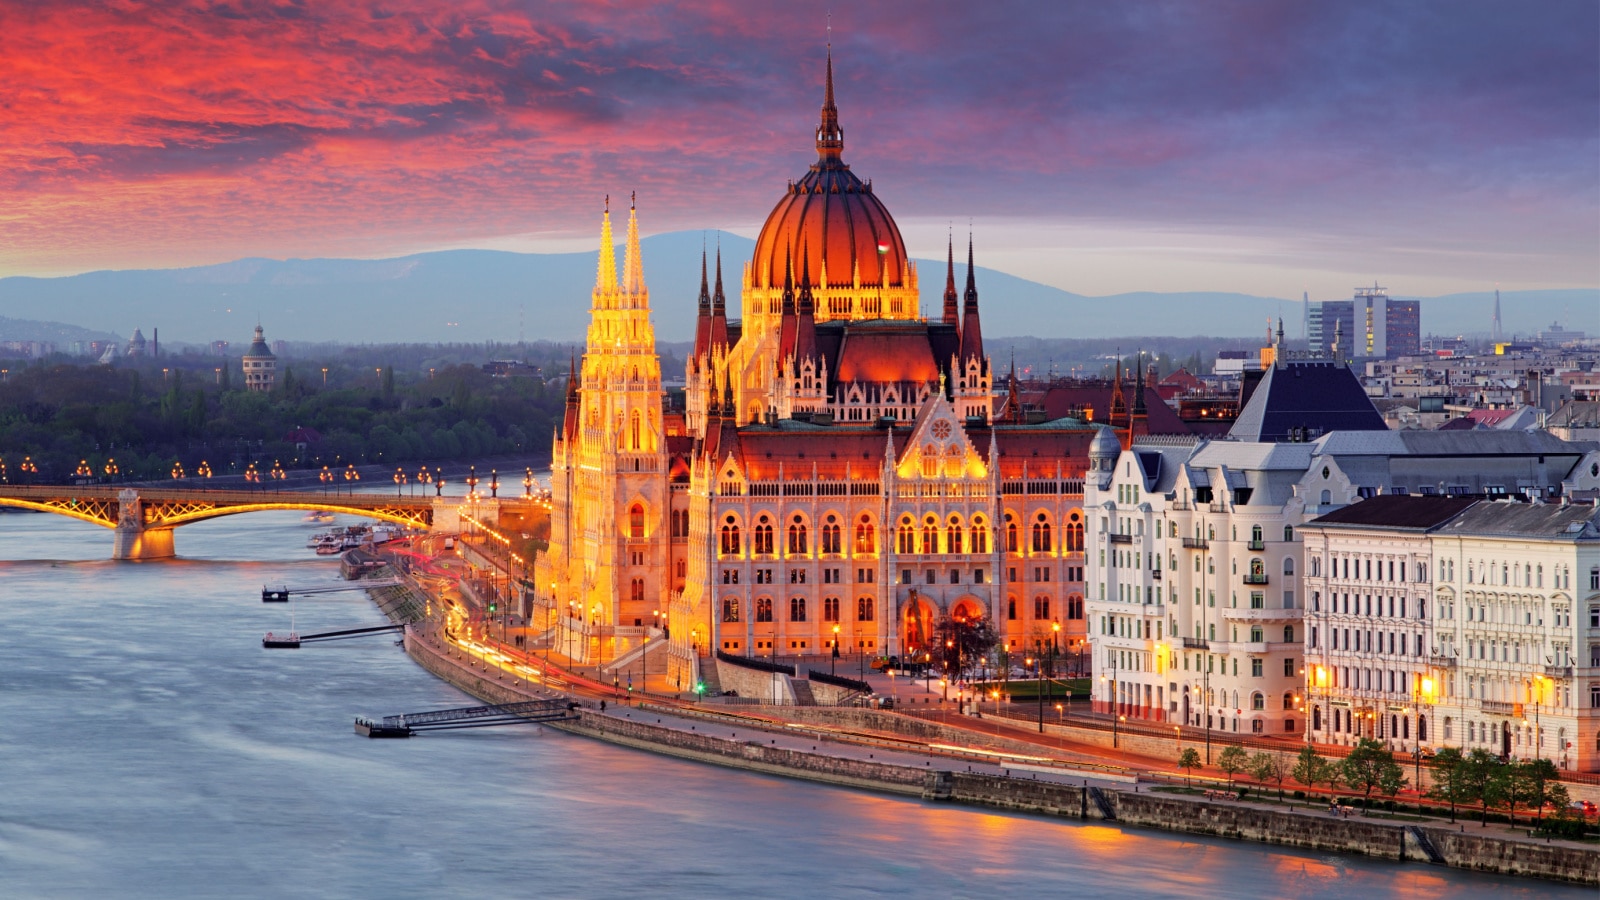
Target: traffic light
(491,606)
(700,688)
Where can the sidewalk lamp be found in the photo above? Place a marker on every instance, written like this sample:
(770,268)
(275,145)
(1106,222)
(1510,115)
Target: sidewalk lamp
(205,469)
(177,470)
(833,661)
(351,476)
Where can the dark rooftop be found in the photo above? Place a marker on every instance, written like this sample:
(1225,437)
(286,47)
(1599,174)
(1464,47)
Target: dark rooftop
(1399,511)
(1304,400)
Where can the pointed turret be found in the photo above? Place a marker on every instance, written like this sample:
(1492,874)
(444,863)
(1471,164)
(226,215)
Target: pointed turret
(719,310)
(830,136)
(971,330)
(1139,408)
(805,342)
(633,264)
(786,325)
(702,322)
(605,280)
(1119,403)
(1013,398)
(951,309)
(569,425)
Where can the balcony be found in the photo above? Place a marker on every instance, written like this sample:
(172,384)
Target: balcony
(1558,672)
(1501,708)
(1190,643)
(1257,545)
(1155,574)
(1121,538)
(1256,579)
(1442,662)
(1196,544)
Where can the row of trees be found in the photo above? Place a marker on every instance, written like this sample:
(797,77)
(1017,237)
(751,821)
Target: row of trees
(1459,779)
(147,417)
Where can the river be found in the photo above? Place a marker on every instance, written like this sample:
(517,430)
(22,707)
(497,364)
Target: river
(150,747)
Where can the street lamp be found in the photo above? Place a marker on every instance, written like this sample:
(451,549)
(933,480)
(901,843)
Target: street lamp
(177,470)
(399,479)
(205,469)
(350,477)
(835,658)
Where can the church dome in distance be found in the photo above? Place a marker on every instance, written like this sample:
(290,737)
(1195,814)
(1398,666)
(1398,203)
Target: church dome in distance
(831,221)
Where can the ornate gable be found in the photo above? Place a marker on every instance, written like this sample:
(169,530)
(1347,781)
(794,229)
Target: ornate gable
(939,446)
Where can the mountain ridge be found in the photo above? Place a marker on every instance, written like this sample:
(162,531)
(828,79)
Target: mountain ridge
(475,295)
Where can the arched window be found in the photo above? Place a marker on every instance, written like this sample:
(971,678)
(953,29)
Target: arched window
(1074,533)
(1011,535)
(865,607)
(930,461)
(763,539)
(1256,535)
(906,537)
(1042,541)
(636,521)
(1075,607)
(634,429)
(1422,728)
(980,535)
(1258,701)
(866,539)
(636,591)
(1288,565)
(1288,699)
(730,537)
(798,543)
(930,535)
(830,534)
(763,609)
(1011,609)
(1258,569)
(797,609)
(730,609)
(953,536)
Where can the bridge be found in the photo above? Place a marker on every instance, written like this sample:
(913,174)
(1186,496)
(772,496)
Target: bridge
(142,518)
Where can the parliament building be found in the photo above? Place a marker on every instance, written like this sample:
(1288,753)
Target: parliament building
(841,468)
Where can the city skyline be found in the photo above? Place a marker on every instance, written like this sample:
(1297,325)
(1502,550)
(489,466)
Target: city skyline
(1264,150)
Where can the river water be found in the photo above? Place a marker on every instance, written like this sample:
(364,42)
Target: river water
(150,747)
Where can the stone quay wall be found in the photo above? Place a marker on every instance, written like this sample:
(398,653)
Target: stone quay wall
(1166,812)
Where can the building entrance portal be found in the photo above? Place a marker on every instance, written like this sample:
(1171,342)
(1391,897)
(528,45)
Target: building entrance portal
(917,628)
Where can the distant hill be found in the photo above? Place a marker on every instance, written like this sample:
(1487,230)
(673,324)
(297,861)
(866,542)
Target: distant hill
(31,330)
(476,295)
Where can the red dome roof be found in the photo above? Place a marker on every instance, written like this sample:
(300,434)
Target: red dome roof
(831,215)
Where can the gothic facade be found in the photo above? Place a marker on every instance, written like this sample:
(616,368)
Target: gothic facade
(842,468)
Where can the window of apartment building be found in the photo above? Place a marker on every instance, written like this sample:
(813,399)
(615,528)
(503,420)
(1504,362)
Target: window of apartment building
(1288,667)
(1255,670)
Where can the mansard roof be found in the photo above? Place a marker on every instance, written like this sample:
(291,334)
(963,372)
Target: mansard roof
(1398,511)
(1518,519)
(1314,396)
(1067,398)
(883,351)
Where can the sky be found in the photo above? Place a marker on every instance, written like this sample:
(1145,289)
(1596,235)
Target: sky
(1261,147)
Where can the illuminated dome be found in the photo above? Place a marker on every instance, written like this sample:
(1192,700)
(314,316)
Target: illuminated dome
(830,221)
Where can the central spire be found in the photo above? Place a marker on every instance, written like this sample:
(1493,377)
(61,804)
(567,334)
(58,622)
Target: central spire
(830,137)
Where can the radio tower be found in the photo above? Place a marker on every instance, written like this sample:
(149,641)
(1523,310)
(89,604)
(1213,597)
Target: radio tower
(1495,331)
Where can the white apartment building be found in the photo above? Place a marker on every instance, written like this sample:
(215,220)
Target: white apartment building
(1486,635)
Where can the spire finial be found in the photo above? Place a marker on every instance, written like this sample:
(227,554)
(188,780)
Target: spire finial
(830,137)
(950,310)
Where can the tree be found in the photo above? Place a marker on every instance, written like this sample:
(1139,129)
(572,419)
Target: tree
(1370,765)
(1270,767)
(1479,775)
(1189,760)
(1312,770)
(1540,776)
(1452,781)
(964,642)
(1231,761)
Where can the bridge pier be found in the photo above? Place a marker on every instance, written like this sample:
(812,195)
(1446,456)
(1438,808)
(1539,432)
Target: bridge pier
(133,542)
